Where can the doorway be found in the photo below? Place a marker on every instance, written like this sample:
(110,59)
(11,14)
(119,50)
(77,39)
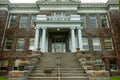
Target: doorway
(58,45)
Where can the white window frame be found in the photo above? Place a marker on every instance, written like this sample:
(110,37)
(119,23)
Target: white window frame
(16,64)
(31,47)
(32,20)
(85,25)
(114,65)
(94,22)
(101,17)
(18,42)
(85,44)
(94,44)
(110,40)
(4,63)
(5,45)
(10,21)
(23,22)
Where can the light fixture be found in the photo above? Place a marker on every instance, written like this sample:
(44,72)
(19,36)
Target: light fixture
(58,29)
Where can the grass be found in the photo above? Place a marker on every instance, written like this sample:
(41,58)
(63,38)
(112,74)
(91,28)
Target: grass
(115,78)
(3,78)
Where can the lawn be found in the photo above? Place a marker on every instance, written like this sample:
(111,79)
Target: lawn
(115,78)
(3,78)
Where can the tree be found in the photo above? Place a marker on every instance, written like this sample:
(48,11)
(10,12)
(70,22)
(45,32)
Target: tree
(115,22)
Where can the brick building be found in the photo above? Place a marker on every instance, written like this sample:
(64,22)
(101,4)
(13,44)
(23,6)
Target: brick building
(57,26)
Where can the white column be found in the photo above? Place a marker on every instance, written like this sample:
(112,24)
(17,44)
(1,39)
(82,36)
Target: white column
(73,40)
(36,39)
(80,38)
(43,39)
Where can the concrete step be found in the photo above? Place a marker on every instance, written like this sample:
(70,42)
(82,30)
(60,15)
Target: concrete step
(58,78)
(69,69)
(56,74)
(62,71)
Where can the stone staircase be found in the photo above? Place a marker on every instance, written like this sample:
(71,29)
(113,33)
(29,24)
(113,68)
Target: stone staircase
(60,66)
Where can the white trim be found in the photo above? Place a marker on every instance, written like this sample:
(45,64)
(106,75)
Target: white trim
(114,8)
(9,21)
(3,8)
(96,21)
(23,11)
(92,11)
(107,21)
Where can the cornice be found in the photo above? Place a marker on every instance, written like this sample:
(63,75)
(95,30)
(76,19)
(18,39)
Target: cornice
(93,5)
(58,3)
(5,4)
(23,5)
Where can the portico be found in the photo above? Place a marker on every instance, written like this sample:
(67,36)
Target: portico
(49,39)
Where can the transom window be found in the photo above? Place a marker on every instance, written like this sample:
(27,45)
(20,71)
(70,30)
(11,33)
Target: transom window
(93,21)
(13,19)
(96,44)
(23,21)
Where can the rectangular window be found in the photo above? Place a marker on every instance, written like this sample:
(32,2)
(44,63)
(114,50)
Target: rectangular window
(104,21)
(93,21)
(32,21)
(16,64)
(96,44)
(23,21)
(113,65)
(8,43)
(13,19)
(108,43)
(20,44)
(85,43)
(4,64)
(83,19)
(31,44)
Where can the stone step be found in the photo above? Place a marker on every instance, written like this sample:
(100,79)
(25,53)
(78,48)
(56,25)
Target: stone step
(58,78)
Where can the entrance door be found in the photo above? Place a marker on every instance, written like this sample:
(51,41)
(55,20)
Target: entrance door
(58,45)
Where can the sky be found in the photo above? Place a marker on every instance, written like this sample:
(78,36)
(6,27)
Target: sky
(32,1)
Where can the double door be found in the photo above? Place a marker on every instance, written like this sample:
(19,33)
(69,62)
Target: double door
(58,45)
